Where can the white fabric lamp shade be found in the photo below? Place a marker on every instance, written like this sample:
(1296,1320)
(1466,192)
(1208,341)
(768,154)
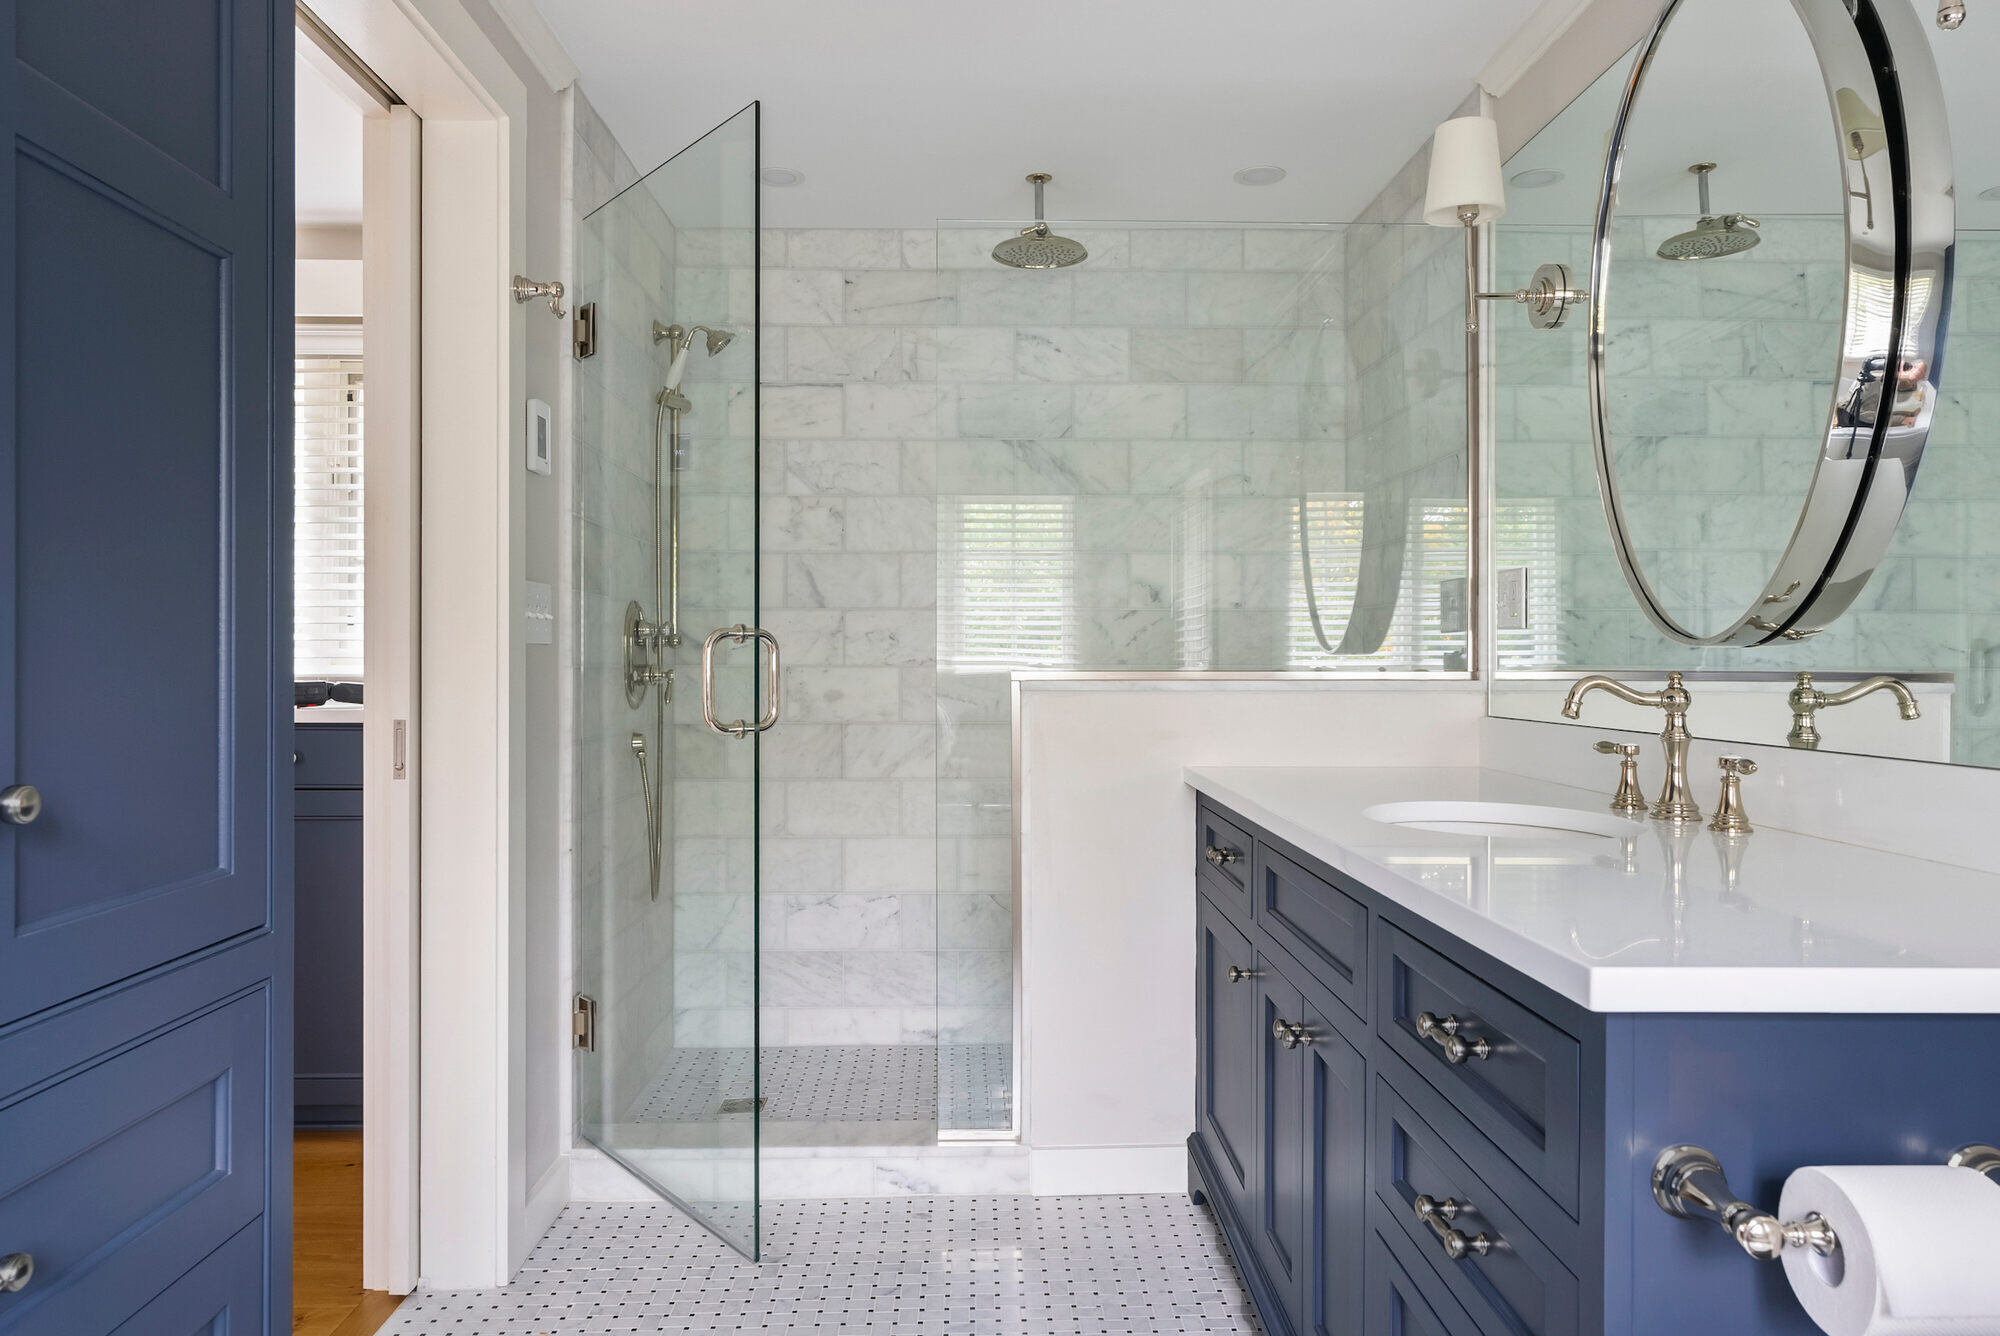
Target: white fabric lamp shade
(1465,172)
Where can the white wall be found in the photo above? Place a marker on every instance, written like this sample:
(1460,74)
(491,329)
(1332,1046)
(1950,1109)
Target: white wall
(1108,889)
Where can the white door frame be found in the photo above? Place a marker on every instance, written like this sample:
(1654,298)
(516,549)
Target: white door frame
(442,1086)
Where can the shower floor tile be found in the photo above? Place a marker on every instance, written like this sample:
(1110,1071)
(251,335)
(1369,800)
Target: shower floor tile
(908,1266)
(839,1083)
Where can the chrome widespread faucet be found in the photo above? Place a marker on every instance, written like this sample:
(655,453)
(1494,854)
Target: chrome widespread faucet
(1676,801)
(1807,700)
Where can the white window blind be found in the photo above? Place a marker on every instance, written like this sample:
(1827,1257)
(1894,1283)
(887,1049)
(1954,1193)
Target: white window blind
(1333,535)
(1009,582)
(1526,532)
(1194,575)
(1434,544)
(326,518)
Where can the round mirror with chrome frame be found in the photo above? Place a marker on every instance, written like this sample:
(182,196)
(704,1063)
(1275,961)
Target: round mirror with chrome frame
(1887,110)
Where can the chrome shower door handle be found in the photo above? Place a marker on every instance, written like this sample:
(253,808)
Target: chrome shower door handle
(738,634)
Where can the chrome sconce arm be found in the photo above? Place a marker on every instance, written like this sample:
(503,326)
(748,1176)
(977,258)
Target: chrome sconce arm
(1550,296)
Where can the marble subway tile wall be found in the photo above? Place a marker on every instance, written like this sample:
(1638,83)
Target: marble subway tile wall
(624,941)
(1733,384)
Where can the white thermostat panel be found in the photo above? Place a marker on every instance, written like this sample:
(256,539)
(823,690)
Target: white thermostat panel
(541,438)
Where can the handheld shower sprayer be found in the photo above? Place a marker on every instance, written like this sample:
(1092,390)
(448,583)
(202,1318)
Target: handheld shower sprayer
(681,339)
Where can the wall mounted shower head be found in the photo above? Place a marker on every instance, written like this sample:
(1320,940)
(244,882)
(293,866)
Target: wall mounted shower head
(1712,237)
(1037,247)
(680,339)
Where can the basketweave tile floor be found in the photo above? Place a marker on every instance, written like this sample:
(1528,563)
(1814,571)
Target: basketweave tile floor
(968,1085)
(892,1266)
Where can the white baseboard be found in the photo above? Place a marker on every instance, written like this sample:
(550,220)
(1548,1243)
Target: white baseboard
(1090,1171)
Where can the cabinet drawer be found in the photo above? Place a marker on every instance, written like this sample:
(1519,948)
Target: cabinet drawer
(1322,926)
(1398,1307)
(224,1294)
(1517,1287)
(1524,1093)
(326,756)
(1222,857)
(113,1208)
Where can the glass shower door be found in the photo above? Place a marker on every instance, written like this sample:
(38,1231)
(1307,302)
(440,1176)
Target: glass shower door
(674,683)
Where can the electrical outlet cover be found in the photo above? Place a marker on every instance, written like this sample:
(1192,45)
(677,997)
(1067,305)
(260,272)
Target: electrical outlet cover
(1510,599)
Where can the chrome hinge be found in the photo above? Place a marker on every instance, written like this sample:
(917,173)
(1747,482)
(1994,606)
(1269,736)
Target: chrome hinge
(583,1023)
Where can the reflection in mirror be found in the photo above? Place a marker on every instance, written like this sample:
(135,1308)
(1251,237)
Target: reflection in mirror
(1737,355)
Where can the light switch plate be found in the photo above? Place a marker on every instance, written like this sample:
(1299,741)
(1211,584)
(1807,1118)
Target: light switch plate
(541,438)
(1510,599)
(1451,606)
(538,613)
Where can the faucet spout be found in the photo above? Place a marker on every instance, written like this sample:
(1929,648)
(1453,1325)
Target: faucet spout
(1676,801)
(1808,700)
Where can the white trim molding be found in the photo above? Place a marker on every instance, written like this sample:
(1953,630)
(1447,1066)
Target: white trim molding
(1529,43)
(538,41)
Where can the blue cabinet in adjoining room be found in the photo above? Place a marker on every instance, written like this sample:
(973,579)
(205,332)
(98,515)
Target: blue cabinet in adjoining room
(327,871)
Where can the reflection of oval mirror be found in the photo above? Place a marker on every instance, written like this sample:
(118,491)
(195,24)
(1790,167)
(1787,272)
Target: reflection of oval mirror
(1749,292)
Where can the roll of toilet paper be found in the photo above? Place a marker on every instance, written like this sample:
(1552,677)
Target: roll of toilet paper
(1919,1250)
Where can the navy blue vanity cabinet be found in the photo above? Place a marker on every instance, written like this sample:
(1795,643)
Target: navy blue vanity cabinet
(1439,1145)
(326,1026)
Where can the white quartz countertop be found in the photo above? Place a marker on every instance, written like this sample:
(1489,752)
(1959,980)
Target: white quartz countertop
(1660,921)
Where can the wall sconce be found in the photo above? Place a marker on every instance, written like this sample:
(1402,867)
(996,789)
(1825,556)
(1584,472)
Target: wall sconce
(1466,189)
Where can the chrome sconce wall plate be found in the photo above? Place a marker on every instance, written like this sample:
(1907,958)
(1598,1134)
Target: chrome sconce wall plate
(1874,58)
(1550,296)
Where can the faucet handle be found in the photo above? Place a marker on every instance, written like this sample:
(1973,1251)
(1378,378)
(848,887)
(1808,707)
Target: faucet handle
(1730,817)
(1628,799)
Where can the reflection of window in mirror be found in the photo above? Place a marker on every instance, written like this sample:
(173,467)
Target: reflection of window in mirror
(1192,564)
(1527,532)
(1009,582)
(1433,555)
(327,516)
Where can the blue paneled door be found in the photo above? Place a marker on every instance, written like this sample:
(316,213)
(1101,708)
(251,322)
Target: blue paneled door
(145,952)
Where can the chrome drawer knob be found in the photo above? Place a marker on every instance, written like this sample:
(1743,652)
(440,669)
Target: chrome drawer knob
(1218,856)
(20,804)
(16,1270)
(1439,1215)
(1445,1034)
(1237,974)
(1290,1033)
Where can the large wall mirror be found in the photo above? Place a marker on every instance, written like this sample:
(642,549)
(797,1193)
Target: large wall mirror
(1730,488)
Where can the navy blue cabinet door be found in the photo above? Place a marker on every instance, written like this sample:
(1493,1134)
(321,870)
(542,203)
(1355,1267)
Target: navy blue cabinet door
(327,972)
(145,640)
(1336,1132)
(1280,1232)
(1227,1052)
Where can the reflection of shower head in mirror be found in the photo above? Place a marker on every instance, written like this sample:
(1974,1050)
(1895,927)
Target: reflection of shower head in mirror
(1712,237)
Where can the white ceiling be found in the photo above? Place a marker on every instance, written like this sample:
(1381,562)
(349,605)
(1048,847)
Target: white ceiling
(1738,84)
(328,147)
(901,112)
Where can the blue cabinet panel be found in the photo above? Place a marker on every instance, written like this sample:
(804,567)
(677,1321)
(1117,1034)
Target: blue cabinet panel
(1322,927)
(1278,1207)
(1526,1094)
(124,1173)
(1226,1112)
(327,1028)
(1398,1306)
(326,756)
(1518,1287)
(1336,1137)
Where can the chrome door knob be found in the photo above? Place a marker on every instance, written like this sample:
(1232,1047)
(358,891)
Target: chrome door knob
(20,804)
(1237,974)
(16,1270)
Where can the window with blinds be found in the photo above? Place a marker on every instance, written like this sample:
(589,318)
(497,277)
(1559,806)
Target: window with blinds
(1008,582)
(1433,553)
(1526,532)
(326,518)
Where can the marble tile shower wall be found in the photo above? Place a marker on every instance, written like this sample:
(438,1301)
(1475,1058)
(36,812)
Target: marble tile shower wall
(1736,381)
(622,937)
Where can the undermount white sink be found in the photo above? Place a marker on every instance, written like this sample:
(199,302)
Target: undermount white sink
(1503,821)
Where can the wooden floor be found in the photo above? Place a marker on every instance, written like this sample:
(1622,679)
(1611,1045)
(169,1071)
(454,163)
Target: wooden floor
(327,1298)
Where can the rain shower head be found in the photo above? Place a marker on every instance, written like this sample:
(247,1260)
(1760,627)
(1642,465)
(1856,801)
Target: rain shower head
(1037,247)
(1712,237)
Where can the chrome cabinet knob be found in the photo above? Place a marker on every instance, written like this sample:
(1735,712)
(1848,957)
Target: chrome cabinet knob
(1221,857)
(1237,974)
(16,1270)
(1290,1033)
(1439,1215)
(20,804)
(1444,1032)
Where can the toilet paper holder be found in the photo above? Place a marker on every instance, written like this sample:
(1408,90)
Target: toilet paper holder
(1688,1182)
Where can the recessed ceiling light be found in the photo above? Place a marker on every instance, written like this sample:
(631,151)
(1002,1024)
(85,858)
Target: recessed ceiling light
(781,176)
(1991,192)
(1260,176)
(1535,178)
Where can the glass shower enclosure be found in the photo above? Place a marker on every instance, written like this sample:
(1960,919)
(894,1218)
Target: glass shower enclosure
(674,684)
